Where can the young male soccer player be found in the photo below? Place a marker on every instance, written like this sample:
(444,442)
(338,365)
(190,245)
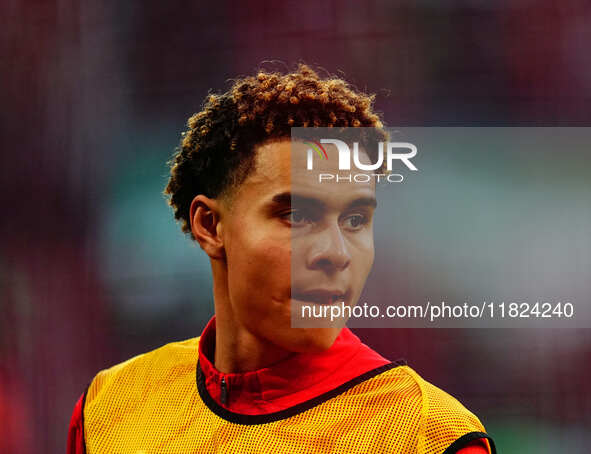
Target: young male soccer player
(251,383)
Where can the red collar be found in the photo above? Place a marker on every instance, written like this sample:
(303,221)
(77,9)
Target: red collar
(299,378)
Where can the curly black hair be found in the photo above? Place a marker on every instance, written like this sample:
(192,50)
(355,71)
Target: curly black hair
(217,151)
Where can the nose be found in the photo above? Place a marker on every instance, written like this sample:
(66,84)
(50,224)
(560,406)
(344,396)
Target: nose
(329,251)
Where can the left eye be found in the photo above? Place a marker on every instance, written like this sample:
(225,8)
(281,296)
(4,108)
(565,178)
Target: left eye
(355,221)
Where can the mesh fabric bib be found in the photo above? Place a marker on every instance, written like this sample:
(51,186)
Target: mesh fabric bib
(157,403)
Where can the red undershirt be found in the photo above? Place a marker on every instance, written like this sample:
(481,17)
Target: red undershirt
(292,381)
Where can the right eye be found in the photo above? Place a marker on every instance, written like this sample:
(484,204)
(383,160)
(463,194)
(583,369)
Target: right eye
(295,218)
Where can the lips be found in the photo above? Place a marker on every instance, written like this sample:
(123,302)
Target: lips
(320,296)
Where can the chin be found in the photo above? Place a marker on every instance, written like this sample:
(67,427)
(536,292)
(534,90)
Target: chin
(314,340)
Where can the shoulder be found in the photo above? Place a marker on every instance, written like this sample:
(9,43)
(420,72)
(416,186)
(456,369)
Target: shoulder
(166,363)
(120,394)
(444,424)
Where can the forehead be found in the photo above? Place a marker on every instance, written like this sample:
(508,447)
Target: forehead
(280,166)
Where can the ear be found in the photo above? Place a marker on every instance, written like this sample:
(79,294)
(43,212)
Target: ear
(206,226)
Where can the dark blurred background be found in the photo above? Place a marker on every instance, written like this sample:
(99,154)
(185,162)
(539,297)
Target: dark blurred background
(94,96)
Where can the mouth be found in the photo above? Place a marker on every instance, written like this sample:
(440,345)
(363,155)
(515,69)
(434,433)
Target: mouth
(320,296)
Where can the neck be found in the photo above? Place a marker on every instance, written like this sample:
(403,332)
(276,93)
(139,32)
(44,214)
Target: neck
(236,348)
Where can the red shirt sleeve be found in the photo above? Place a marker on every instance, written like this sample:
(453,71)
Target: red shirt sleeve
(76,430)
(475,447)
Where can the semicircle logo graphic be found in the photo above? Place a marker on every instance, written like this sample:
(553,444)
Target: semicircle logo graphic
(318,148)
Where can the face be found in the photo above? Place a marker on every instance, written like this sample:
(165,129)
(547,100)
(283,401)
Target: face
(290,241)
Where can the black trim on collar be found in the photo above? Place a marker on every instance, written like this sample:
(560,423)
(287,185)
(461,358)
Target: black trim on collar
(467,438)
(244,419)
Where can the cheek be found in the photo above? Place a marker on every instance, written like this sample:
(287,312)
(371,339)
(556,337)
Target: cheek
(259,274)
(362,262)
(273,265)
(362,250)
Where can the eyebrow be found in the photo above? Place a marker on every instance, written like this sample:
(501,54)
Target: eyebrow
(363,202)
(287,198)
